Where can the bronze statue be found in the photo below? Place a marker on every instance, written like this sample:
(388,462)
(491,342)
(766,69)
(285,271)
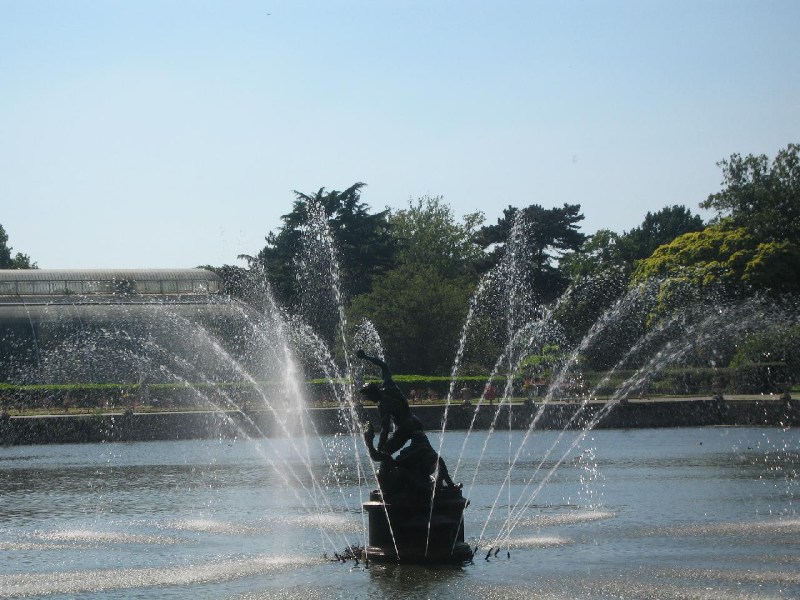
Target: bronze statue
(407,521)
(393,409)
(413,469)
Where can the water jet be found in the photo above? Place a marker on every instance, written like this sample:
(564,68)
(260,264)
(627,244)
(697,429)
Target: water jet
(192,512)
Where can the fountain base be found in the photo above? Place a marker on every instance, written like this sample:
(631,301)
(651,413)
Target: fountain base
(398,528)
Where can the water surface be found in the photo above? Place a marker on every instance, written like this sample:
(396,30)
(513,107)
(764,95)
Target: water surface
(671,513)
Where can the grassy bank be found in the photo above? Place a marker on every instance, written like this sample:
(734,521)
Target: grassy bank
(99,398)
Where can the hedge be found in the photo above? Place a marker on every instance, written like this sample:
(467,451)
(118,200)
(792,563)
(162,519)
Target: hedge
(747,379)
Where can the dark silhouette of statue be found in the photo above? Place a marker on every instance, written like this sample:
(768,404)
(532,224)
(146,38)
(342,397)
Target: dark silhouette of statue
(415,469)
(408,522)
(393,409)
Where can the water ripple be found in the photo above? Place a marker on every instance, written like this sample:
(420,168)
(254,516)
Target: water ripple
(572,518)
(104,537)
(75,582)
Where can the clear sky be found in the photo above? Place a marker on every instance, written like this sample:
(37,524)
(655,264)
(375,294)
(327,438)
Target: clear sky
(172,133)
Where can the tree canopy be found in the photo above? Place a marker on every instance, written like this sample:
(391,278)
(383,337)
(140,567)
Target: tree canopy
(419,315)
(752,244)
(428,234)
(600,253)
(8,260)
(761,195)
(730,257)
(419,306)
(657,229)
(364,243)
(412,272)
(546,235)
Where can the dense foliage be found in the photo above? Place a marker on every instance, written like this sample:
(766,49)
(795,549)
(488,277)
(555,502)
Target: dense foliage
(419,306)
(731,257)
(760,195)
(412,272)
(365,248)
(752,244)
(9,260)
(547,235)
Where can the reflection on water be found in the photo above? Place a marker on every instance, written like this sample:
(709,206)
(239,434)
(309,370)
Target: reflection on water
(674,513)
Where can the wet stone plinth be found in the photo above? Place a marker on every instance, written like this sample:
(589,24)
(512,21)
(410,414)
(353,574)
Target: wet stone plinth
(409,539)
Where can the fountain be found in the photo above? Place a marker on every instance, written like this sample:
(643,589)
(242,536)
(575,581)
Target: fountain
(528,468)
(417,513)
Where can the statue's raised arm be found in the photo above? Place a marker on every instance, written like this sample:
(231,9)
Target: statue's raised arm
(392,407)
(386,374)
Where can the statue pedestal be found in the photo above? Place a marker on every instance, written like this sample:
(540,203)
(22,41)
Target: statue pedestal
(408,539)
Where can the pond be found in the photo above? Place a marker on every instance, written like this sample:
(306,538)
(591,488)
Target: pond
(666,513)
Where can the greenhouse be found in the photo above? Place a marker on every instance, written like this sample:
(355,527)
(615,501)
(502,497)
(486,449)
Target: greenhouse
(27,286)
(95,326)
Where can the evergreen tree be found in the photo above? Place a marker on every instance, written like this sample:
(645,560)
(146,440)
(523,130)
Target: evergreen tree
(547,234)
(15,261)
(366,248)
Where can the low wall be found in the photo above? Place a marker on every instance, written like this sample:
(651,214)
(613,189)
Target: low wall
(64,429)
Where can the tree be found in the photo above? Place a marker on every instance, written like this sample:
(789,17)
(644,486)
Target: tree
(419,316)
(419,307)
(598,274)
(18,260)
(656,230)
(607,252)
(323,231)
(428,234)
(546,234)
(364,244)
(600,253)
(728,257)
(601,269)
(764,197)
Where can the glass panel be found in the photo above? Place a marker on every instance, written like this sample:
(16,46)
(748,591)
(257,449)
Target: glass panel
(97,287)
(41,287)
(170,287)
(25,287)
(184,286)
(148,287)
(8,287)
(201,287)
(74,287)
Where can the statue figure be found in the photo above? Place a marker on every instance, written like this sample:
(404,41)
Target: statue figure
(407,521)
(415,470)
(393,409)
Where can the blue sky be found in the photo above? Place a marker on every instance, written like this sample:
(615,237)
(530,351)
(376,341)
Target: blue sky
(171,134)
